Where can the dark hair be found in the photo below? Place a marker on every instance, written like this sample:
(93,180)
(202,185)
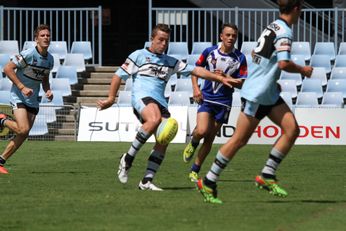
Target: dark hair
(161,27)
(233,26)
(286,6)
(41,27)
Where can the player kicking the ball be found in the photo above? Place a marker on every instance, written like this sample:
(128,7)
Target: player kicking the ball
(150,70)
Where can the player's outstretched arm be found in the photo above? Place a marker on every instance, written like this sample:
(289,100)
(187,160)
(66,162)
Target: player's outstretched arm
(292,67)
(205,74)
(115,84)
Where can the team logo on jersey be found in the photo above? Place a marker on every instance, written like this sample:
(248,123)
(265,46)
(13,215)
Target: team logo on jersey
(147,59)
(233,65)
(213,61)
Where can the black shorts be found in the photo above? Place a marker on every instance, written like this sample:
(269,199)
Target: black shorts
(256,110)
(146,100)
(32,110)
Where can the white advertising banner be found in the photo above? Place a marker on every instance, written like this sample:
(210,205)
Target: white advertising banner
(120,124)
(317,126)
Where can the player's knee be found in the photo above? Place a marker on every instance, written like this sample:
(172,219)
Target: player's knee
(293,132)
(200,132)
(23,131)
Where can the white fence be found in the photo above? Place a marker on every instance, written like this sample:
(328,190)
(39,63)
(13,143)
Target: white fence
(203,24)
(67,24)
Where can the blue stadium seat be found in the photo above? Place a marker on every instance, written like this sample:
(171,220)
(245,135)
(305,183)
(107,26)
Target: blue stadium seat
(325,48)
(82,47)
(58,47)
(28,44)
(5,97)
(179,98)
(291,76)
(337,85)
(62,85)
(192,59)
(287,97)
(178,49)
(288,85)
(342,48)
(340,61)
(301,48)
(298,59)
(76,60)
(68,72)
(332,99)
(199,47)
(321,61)
(320,73)
(307,99)
(338,73)
(4,59)
(5,84)
(39,127)
(9,47)
(147,44)
(313,85)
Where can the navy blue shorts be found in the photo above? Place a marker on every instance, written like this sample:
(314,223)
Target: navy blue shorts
(220,113)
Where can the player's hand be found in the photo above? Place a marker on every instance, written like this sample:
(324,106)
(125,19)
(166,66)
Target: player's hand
(307,71)
(219,72)
(104,104)
(231,82)
(197,95)
(49,95)
(27,91)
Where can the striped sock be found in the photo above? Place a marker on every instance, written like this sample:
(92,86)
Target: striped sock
(275,157)
(154,161)
(141,137)
(219,164)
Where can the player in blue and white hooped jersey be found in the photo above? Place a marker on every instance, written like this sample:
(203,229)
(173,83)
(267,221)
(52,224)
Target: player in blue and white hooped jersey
(27,71)
(215,100)
(150,70)
(261,97)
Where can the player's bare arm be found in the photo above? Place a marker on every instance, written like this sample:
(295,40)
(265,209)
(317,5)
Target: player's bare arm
(9,70)
(290,66)
(115,84)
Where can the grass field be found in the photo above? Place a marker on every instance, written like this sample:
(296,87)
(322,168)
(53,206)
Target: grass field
(72,186)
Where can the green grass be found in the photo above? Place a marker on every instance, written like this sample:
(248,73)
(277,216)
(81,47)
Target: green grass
(72,186)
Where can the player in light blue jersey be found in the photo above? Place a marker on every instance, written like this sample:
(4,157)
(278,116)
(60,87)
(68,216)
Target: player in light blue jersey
(260,98)
(27,71)
(150,70)
(215,100)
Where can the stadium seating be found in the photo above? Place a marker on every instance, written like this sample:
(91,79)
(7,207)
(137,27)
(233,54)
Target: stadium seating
(39,127)
(192,59)
(178,49)
(340,61)
(325,48)
(248,60)
(320,73)
(287,97)
(9,47)
(68,72)
(298,59)
(76,60)
(48,111)
(199,47)
(301,48)
(312,85)
(307,99)
(342,48)
(57,101)
(5,97)
(184,85)
(58,47)
(338,73)
(56,62)
(5,84)
(179,98)
(124,98)
(332,99)
(82,47)
(28,44)
(172,82)
(247,47)
(337,85)
(321,61)
(289,85)
(4,59)
(292,76)
(62,85)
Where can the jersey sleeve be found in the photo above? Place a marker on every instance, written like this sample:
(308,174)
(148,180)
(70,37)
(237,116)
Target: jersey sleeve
(129,67)
(22,59)
(283,48)
(183,68)
(242,71)
(202,60)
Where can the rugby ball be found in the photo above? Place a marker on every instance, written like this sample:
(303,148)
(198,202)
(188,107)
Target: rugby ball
(166,131)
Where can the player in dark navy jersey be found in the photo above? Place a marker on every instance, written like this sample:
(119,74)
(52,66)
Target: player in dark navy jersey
(215,100)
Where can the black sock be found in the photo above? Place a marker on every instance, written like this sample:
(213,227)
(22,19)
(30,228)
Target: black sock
(194,143)
(129,159)
(146,179)
(209,183)
(2,161)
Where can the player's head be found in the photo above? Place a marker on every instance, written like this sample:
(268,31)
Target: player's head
(160,38)
(42,35)
(293,7)
(229,35)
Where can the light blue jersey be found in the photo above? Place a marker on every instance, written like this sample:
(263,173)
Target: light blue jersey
(273,45)
(31,69)
(150,73)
